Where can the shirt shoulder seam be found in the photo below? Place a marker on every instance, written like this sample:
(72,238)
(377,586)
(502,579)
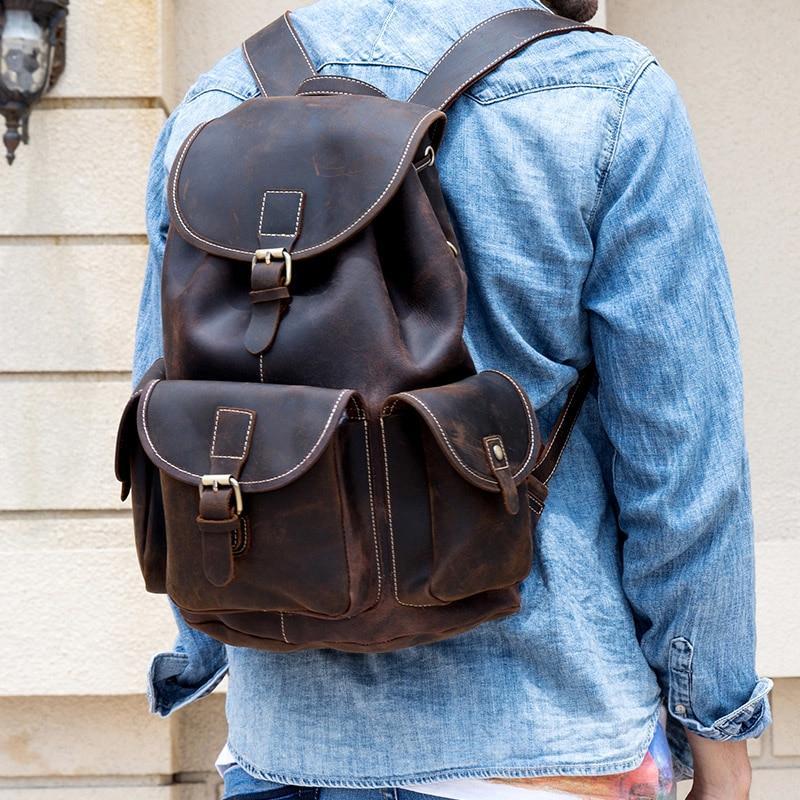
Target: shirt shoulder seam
(611,147)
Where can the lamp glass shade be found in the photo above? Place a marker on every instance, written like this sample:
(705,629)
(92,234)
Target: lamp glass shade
(24,54)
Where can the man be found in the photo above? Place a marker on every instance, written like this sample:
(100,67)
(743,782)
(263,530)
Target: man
(587,233)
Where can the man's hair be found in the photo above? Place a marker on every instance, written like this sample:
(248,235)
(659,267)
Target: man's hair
(580,10)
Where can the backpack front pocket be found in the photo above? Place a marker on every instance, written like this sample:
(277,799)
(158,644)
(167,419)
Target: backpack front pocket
(266,494)
(456,462)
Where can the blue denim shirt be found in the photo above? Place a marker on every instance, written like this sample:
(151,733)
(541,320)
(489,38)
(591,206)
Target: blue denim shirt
(587,232)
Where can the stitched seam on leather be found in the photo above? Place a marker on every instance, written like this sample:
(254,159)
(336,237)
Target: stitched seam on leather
(333,238)
(246,436)
(391,525)
(243,483)
(253,70)
(554,434)
(456,43)
(529,414)
(297,42)
(337,78)
(261,367)
(343,518)
(236,546)
(462,39)
(283,628)
(507,53)
(381,195)
(566,441)
(297,218)
(372,511)
(488,443)
(322,91)
(415,401)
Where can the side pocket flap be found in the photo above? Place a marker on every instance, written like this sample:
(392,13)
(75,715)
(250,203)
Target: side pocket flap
(461,415)
(126,432)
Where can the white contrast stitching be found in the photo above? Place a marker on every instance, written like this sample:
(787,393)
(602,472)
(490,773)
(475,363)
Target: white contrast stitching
(531,428)
(380,196)
(552,439)
(337,78)
(246,436)
(493,63)
(457,42)
(415,401)
(240,547)
(243,483)
(313,93)
(372,511)
(488,443)
(391,525)
(261,367)
(297,218)
(297,42)
(333,238)
(253,70)
(283,628)
(508,52)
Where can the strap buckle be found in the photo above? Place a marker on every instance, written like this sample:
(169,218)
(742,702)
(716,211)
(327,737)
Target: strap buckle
(215,481)
(267,256)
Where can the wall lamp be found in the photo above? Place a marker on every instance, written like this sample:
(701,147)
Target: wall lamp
(32,57)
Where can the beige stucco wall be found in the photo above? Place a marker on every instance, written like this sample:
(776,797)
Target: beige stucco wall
(78,626)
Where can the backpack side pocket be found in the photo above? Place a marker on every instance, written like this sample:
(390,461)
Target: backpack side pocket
(140,479)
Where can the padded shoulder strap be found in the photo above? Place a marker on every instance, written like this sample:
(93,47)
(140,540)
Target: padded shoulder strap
(277,59)
(481,49)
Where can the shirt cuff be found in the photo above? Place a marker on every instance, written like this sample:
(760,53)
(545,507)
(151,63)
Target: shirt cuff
(191,670)
(748,721)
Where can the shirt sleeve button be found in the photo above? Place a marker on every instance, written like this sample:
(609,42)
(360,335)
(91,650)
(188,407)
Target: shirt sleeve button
(680,709)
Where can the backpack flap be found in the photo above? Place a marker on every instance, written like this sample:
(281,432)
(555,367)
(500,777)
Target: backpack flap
(298,173)
(484,426)
(286,429)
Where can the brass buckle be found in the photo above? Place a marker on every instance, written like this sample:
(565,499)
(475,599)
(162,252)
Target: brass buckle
(266,257)
(215,481)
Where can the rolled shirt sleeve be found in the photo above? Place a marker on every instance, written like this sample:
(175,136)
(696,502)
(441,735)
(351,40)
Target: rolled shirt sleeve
(670,398)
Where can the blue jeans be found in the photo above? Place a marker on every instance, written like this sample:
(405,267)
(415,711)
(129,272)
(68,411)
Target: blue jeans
(238,784)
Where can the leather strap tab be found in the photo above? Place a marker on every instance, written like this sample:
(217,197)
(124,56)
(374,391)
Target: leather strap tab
(554,447)
(277,59)
(337,84)
(280,218)
(484,47)
(498,463)
(219,522)
(269,297)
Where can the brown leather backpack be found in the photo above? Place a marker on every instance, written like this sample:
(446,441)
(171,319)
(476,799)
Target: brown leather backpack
(315,462)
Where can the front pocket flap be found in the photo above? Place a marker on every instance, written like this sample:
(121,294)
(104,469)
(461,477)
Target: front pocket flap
(461,415)
(290,427)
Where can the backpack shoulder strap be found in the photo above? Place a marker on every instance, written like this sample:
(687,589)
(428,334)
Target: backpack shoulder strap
(484,47)
(277,58)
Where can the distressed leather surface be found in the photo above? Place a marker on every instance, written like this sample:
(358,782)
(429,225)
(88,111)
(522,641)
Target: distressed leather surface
(351,158)
(381,314)
(389,493)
